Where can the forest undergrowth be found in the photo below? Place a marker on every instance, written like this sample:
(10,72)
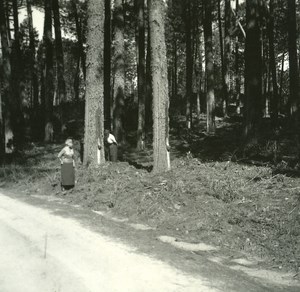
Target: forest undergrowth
(251,208)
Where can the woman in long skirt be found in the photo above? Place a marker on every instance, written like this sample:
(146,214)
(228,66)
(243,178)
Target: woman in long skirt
(111,145)
(66,156)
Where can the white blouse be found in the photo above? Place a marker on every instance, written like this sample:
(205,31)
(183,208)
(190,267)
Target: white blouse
(111,139)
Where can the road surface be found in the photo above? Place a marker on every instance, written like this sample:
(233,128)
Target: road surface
(43,251)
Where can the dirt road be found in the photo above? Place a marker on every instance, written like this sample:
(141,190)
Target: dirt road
(41,250)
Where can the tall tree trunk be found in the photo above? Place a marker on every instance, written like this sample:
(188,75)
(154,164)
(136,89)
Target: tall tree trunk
(42,113)
(209,69)
(200,75)
(94,99)
(294,100)
(141,70)
(59,53)
(265,78)
(293,59)
(76,83)
(16,59)
(78,24)
(224,85)
(7,18)
(161,154)
(49,84)
(33,68)
(6,76)
(119,71)
(175,79)
(148,105)
(189,63)
(196,71)
(274,86)
(253,71)
(237,70)
(227,54)
(107,64)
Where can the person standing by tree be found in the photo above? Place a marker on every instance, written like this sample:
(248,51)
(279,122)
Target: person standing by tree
(111,145)
(66,156)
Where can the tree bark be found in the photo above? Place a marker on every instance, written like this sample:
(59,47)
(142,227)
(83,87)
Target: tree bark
(200,75)
(94,104)
(78,24)
(141,70)
(253,71)
(237,70)
(119,71)
(175,78)
(6,75)
(76,83)
(7,16)
(107,65)
(49,74)
(293,59)
(2,131)
(17,67)
(148,105)
(59,53)
(189,63)
(227,54)
(161,154)
(209,69)
(223,71)
(33,68)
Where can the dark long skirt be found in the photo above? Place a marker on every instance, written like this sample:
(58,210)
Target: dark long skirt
(67,175)
(113,152)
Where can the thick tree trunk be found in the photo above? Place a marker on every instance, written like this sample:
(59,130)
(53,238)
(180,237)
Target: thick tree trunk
(253,71)
(107,64)
(49,74)
(119,71)
(94,104)
(209,69)
(141,70)
(161,154)
(189,63)
(61,86)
